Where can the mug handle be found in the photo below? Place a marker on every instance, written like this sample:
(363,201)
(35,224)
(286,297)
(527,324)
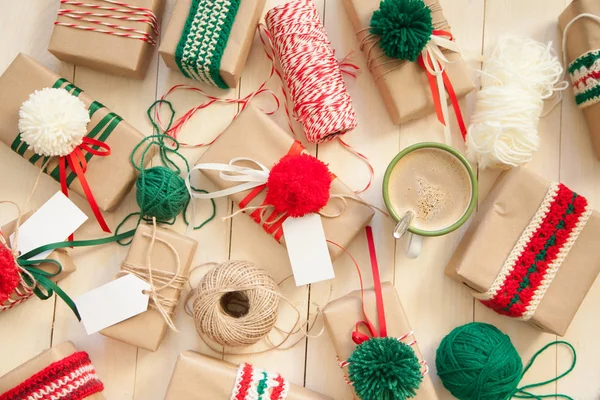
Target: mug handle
(413,245)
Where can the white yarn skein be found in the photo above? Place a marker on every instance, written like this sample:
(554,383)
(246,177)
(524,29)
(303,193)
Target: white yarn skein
(53,122)
(519,75)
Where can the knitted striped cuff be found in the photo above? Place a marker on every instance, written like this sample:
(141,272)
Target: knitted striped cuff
(257,384)
(585,76)
(204,38)
(538,254)
(72,378)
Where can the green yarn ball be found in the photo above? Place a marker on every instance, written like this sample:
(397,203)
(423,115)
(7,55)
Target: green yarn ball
(161,193)
(384,369)
(477,361)
(404,26)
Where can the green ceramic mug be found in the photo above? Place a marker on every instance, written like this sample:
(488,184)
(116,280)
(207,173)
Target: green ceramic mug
(406,219)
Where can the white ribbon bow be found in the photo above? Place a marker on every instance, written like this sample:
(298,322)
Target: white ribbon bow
(435,62)
(250,177)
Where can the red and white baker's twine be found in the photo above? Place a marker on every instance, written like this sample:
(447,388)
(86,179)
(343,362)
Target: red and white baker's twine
(127,12)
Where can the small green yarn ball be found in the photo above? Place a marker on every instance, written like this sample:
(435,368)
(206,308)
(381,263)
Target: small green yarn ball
(161,193)
(477,361)
(404,28)
(384,369)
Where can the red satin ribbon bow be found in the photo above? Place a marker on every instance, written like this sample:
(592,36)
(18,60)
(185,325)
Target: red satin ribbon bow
(447,84)
(78,164)
(357,336)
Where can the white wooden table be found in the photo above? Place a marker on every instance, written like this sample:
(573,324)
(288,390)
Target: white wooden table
(434,304)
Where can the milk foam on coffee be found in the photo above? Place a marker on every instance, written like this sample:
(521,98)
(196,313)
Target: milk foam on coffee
(434,185)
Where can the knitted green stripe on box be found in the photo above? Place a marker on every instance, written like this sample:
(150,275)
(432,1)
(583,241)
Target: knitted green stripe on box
(588,97)
(584,61)
(204,38)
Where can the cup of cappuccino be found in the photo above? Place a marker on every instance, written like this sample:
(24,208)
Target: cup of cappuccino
(430,189)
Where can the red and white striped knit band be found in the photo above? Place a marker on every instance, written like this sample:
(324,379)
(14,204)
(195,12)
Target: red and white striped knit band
(538,254)
(257,384)
(72,378)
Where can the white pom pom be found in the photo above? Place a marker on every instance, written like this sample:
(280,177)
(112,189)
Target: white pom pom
(519,75)
(53,122)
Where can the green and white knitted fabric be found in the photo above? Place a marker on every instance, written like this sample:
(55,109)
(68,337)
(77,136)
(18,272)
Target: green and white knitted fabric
(204,38)
(585,76)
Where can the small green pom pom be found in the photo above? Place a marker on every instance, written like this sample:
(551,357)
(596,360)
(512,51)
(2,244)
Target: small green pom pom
(404,26)
(384,369)
(161,193)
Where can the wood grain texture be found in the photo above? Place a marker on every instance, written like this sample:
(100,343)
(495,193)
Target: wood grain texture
(434,304)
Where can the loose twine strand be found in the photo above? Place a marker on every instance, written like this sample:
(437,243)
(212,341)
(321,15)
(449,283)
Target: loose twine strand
(26,290)
(242,284)
(131,13)
(159,280)
(378,63)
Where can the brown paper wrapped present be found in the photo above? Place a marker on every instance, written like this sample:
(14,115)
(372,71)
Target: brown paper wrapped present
(199,377)
(341,316)
(127,56)
(147,330)
(109,177)
(404,85)
(54,368)
(60,255)
(517,257)
(583,61)
(254,135)
(237,45)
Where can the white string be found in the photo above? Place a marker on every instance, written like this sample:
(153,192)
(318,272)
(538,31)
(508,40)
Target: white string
(519,75)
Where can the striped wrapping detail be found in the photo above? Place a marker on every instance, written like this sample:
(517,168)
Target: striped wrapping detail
(538,254)
(101,131)
(254,383)
(585,76)
(72,378)
(204,38)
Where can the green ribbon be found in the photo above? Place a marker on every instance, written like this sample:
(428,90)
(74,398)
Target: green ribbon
(40,280)
(101,131)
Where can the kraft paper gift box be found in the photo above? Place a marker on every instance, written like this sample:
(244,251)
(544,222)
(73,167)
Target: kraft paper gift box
(60,255)
(112,54)
(147,330)
(238,45)
(583,43)
(199,377)
(404,85)
(504,233)
(254,135)
(110,177)
(54,379)
(341,316)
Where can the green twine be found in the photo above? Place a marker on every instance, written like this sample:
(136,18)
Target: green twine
(384,369)
(477,361)
(162,193)
(404,28)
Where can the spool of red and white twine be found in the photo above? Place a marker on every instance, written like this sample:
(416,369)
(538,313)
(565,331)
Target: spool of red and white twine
(310,71)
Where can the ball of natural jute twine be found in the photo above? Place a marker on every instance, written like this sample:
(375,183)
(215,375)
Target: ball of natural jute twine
(235,304)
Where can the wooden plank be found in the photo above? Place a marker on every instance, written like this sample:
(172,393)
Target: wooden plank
(536,19)
(27,327)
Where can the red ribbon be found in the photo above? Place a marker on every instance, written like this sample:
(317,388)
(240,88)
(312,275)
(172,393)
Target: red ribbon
(357,336)
(78,164)
(449,88)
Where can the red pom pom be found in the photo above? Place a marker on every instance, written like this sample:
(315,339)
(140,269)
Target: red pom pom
(298,185)
(9,274)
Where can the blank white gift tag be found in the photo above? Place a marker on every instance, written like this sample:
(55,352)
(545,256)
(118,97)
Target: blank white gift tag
(53,222)
(112,303)
(307,248)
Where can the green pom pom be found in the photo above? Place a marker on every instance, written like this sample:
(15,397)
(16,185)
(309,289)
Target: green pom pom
(478,361)
(384,369)
(404,26)
(161,193)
